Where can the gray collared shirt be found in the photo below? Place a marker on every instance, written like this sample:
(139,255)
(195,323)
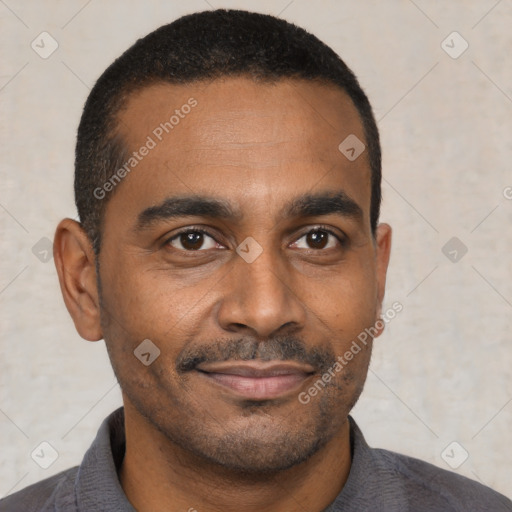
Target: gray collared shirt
(379,480)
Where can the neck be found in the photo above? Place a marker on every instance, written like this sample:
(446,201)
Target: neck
(157,475)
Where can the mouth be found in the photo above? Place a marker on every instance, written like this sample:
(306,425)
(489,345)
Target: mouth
(257,380)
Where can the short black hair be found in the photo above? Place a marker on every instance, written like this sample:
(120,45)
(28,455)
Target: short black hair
(198,47)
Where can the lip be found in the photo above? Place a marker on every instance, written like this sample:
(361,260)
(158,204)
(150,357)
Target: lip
(257,380)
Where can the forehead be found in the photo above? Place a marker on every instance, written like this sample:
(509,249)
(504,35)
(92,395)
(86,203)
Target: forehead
(253,143)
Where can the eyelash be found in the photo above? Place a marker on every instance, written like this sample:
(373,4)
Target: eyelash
(341,240)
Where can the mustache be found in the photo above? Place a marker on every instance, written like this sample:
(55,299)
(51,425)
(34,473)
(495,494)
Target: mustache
(280,348)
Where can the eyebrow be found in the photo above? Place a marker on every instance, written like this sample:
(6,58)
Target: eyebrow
(306,205)
(196,206)
(326,203)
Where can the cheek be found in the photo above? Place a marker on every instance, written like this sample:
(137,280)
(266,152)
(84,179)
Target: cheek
(159,304)
(344,301)
(150,304)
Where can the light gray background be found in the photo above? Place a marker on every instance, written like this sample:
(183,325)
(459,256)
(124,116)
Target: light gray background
(442,372)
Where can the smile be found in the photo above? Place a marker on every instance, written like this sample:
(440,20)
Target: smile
(257,380)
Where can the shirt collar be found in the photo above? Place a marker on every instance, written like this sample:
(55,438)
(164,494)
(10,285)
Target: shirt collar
(369,477)
(97,485)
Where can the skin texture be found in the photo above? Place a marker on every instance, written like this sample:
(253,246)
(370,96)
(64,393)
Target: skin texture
(192,442)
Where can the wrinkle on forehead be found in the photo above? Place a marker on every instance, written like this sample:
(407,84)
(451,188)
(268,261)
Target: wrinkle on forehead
(254,141)
(226,106)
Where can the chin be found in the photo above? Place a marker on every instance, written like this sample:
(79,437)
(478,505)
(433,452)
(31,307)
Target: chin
(258,456)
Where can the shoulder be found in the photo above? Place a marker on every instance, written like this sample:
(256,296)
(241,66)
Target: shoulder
(54,494)
(424,480)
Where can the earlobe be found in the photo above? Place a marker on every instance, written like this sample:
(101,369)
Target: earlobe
(76,267)
(383,242)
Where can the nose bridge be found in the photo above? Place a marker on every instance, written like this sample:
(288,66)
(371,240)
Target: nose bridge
(260,297)
(265,278)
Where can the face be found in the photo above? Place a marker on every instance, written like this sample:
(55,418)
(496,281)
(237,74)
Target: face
(240,245)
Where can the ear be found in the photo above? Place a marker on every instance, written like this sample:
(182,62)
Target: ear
(76,266)
(383,250)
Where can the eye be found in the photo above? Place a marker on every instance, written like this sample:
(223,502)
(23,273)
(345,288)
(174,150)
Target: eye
(192,240)
(317,239)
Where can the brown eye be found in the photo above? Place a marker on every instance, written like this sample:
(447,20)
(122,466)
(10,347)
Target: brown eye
(192,240)
(317,239)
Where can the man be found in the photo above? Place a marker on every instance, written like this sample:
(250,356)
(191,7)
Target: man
(229,252)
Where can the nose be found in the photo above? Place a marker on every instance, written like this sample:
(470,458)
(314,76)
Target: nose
(260,299)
